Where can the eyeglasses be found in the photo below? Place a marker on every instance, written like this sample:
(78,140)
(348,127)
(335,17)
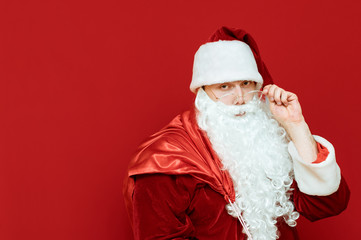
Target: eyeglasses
(233,97)
(232,92)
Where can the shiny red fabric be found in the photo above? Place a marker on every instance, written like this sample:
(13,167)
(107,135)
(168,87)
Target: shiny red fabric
(322,153)
(175,189)
(228,33)
(179,148)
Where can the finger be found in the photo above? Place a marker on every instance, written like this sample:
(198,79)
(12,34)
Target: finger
(284,98)
(277,95)
(266,88)
(291,97)
(271,93)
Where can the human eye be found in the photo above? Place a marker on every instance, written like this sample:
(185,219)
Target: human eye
(247,83)
(224,87)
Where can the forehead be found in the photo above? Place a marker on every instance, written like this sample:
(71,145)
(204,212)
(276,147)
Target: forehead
(233,82)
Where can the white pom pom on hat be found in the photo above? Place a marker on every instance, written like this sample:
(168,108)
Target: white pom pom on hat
(229,55)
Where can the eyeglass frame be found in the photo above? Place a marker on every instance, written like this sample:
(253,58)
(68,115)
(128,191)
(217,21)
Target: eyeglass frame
(237,96)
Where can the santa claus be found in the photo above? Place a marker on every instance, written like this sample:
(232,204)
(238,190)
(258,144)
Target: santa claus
(241,164)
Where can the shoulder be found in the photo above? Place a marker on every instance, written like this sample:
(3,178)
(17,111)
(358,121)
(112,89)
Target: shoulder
(177,135)
(171,150)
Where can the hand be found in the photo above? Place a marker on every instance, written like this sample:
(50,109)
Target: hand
(287,111)
(284,105)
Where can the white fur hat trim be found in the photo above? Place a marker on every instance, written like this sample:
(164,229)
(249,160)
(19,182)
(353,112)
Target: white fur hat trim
(224,61)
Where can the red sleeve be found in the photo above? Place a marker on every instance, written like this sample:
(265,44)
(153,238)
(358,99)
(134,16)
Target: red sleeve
(322,153)
(160,203)
(317,207)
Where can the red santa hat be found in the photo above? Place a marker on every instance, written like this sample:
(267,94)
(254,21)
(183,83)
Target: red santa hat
(229,55)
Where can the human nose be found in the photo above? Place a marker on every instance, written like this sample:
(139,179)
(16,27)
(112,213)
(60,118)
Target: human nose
(239,100)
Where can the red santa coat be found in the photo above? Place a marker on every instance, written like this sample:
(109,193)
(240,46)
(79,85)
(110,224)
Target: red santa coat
(175,189)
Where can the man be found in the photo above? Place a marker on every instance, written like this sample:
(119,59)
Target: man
(235,166)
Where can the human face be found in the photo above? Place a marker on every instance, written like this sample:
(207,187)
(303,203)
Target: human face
(231,93)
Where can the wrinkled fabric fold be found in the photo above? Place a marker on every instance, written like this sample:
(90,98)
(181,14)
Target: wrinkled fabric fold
(179,148)
(181,207)
(181,191)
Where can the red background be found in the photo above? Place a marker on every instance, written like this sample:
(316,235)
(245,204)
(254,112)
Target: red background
(82,83)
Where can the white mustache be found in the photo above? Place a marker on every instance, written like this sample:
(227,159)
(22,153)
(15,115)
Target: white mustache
(239,110)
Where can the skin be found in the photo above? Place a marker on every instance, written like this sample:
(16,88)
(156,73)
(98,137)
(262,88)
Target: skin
(240,88)
(285,108)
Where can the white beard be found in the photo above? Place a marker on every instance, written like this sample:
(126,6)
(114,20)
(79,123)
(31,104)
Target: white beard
(253,149)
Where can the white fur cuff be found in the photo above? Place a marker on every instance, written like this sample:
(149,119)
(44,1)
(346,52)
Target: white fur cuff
(319,179)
